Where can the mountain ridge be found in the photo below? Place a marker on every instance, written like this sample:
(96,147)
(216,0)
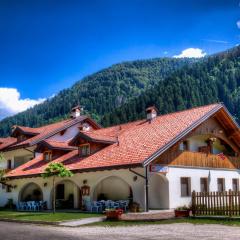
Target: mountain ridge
(99,93)
(121,93)
(215,79)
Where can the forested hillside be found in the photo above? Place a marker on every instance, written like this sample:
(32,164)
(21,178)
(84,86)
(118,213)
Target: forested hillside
(216,78)
(122,92)
(99,93)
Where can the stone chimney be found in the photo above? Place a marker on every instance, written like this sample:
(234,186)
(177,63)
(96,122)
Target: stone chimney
(151,113)
(76,111)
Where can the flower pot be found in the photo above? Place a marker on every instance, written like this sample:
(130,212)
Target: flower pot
(114,214)
(182,213)
(134,207)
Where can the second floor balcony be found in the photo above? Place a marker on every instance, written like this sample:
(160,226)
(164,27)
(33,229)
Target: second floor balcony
(199,159)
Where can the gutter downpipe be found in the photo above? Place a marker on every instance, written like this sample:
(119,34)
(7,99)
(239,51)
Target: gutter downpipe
(146,190)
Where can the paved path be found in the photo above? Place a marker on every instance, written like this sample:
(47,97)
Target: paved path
(83,221)
(18,231)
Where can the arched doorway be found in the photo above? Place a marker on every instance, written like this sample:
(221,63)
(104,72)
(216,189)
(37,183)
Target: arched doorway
(112,188)
(68,195)
(158,191)
(31,192)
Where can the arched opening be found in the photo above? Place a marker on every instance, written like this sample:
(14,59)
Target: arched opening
(31,192)
(67,195)
(112,188)
(158,191)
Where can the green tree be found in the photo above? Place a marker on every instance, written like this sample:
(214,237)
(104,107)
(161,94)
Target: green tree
(2,170)
(56,170)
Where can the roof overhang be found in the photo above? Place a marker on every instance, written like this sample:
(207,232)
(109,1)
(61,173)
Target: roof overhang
(189,129)
(21,131)
(52,147)
(104,168)
(90,139)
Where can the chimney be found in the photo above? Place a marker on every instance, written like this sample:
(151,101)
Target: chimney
(151,113)
(76,111)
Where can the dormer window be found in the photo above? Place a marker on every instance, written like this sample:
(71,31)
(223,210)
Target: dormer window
(84,150)
(47,156)
(21,138)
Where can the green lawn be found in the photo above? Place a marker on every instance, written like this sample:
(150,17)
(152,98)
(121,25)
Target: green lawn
(44,216)
(170,221)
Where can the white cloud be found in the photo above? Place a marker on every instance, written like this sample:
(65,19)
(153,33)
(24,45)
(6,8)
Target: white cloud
(191,53)
(11,102)
(216,41)
(238,23)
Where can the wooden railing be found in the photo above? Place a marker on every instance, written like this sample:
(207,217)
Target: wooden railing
(198,159)
(216,203)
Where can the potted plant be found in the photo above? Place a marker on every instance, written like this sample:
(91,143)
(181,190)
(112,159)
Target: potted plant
(134,207)
(182,211)
(113,214)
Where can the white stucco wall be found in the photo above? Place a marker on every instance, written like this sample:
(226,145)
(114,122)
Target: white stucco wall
(175,173)
(69,133)
(159,196)
(93,178)
(15,153)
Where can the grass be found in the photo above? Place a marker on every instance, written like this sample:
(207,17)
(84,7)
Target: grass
(44,216)
(230,222)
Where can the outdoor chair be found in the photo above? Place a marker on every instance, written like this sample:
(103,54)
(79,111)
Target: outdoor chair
(21,206)
(114,205)
(123,205)
(108,204)
(97,206)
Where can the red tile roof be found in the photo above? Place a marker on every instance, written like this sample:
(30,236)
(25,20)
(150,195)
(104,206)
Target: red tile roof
(5,142)
(58,145)
(137,141)
(47,131)
(26,129)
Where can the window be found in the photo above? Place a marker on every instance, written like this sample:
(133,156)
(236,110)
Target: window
(185,186)
(204,184)
(8,189)
(84,150)
(221,184)
(9,164)
(184,146)
(235,184)
(21,138)
(47,156)
(60,191)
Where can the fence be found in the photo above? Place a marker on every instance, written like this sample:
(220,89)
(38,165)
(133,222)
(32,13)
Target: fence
(216,203)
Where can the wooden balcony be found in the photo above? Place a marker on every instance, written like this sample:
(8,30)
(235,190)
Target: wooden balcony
(198,159)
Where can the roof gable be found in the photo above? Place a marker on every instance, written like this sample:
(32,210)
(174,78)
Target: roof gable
(50,130)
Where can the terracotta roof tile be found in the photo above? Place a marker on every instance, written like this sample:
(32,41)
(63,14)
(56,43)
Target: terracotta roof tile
(46,131)
(59,145)
(5,142)
(137,141)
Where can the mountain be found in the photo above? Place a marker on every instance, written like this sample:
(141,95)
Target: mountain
(213,79)
(99,93)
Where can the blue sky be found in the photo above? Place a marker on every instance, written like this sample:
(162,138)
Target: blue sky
(46,46)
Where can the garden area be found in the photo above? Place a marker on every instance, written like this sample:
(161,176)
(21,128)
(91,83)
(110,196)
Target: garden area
(44,216)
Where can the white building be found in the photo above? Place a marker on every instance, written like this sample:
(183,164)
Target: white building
(156,162)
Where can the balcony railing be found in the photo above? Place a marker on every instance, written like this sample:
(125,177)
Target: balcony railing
(198,159)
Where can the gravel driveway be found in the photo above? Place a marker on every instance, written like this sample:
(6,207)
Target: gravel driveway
(12,231)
